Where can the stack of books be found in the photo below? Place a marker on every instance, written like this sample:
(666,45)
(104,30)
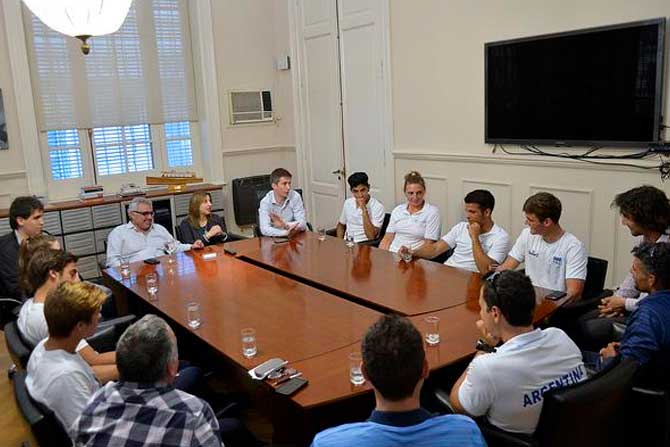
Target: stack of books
(91,192)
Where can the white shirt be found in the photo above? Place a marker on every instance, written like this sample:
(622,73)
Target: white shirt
(411,229)
(549,264)
(508,385)
(62,381)
(127,241)
(495,244)
(292,212)
(352,217)
(33,325)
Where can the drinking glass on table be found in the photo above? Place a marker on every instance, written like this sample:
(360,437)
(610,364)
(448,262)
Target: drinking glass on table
(171,249)
(249,348)
(355,368)
(432,330)
(350,240)
(193,314)
(152,284)
(322,234)
(125,267)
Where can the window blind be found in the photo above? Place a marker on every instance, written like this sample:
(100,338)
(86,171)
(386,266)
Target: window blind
(123,149)
(65,154)
(178,144)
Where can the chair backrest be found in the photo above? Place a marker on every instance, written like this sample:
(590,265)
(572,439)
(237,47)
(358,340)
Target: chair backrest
(46,428)
(18,348)
(596,271)
(247,194)
(589,413)
(178,234)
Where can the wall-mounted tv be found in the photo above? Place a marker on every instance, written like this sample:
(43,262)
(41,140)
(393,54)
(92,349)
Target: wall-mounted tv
(593,87)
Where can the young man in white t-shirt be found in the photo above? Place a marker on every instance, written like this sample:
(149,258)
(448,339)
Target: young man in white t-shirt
(362,216)
(508,384)
(58,376)
(554,259)
(478,243)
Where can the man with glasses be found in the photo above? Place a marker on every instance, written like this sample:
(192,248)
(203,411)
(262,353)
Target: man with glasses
(507,383)
(141,238)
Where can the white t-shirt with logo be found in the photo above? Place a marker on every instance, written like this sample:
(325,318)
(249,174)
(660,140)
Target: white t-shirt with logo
(507,385)
(411,229)
(352,217)
(62,381)
(33,325)
(495,244)
(549,264)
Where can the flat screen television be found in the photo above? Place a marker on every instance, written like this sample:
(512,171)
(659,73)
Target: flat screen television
(592,87)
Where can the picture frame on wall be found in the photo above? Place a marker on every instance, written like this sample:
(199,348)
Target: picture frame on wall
(4,141)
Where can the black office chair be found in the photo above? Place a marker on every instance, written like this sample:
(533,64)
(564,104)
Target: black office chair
(18,348)
(649,413)
(9,310)
(596,271)
(443,257)
(44,424)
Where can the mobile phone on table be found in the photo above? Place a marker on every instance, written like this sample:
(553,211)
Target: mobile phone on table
(555,295)
(291,386)
(152,261)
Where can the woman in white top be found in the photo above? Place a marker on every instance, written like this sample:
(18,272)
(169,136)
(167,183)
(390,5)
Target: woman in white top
(413,222)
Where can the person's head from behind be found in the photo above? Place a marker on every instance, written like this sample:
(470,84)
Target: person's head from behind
(73,309)
(479,206)
(414,188)
(651,266)
(147,352)
(280,179)
(394,360)
(542,211)
(506,299)
(26,214)
(28,248)
(141,213)
(51,267)
(199,206)
(642,209)
(359,185)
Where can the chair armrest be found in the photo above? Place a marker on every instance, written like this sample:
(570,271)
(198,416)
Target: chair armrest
(103,340)
(443,400)
(30,411)
(495,436)
(332,232)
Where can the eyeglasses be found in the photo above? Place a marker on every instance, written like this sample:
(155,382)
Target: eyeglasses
(145,213)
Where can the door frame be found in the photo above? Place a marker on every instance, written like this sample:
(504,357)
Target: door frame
(297,74)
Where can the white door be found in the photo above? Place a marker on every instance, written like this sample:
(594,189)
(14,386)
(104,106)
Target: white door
(362,59)
(321,109)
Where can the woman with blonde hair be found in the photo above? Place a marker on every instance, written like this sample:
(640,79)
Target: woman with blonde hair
(201,224)
(412,222)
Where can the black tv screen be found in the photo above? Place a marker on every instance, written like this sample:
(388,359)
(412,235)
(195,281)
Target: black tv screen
(593,87)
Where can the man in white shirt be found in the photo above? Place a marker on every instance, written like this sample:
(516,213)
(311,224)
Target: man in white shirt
(362,216)
(478,244)
(554,259)
(141,238)
(508,384)
(57,375)
(281,212)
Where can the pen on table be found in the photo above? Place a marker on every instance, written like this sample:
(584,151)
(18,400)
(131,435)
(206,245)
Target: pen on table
(287,378)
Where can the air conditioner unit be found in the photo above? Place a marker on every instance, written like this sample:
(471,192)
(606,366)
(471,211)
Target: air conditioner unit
(250,106)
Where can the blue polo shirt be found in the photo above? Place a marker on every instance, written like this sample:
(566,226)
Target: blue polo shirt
(417,428)
(647,333)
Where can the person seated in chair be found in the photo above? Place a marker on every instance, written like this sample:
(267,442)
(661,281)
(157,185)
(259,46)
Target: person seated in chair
(201,224)
(394,362)
(507,384)
(26,218)
(58,377)
(141,238)
(647,335)
(479,244)
(554,259)
(144,407)
(46,270)
(281,212)
(362,216)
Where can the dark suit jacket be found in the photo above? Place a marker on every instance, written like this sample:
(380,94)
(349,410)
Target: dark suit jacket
(189,234)
(9,266)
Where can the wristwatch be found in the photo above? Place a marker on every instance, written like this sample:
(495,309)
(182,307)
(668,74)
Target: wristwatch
(481,345)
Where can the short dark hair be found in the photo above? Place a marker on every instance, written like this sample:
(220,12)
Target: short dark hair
(512,292)
(646,205)
(23,207)
(70,303)
(544,205)
(277,174)
(393,356)
(656,261)
(358,178)
(481,197)
(42,262)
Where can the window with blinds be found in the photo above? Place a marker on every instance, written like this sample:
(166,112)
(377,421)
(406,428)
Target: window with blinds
(178,144)
(123,149)
(65,154)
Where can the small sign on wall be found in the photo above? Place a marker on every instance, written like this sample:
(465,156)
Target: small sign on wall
(3,125)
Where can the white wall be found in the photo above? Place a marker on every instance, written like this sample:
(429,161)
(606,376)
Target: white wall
(437,53)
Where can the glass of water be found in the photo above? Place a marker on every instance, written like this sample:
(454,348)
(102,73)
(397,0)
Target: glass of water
(322,234)
(152,283)
(406,255)
(355,370)
(193,314)
(249,348)
(350,240)
(170,249)
(125,267)
(432,330)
